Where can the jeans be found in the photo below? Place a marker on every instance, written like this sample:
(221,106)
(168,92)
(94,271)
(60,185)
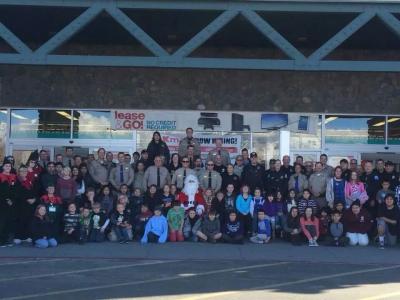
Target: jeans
(45,243)
(96,236)
(121,233)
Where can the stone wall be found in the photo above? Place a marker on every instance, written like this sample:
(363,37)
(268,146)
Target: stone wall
(152,88)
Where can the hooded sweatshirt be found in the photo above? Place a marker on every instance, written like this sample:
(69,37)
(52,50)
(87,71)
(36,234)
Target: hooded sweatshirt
(157,225)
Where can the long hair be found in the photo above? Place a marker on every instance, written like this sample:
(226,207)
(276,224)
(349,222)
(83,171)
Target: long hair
(37,212)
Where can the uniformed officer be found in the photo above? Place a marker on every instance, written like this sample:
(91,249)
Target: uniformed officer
(180,175)
(219,151)
(157,175)
(210,179)
(122,173)
(254,173)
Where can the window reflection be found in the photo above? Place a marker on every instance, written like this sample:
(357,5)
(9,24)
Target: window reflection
(91,124)
(3,133)
(354,129)
(34,123)
(394,130)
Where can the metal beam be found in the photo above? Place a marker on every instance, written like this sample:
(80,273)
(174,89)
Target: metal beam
(206,33)
(201,63)
(391,21)
(341,36)
(294,6)
(13,40)
(70,30)
(275,37)
(136,31)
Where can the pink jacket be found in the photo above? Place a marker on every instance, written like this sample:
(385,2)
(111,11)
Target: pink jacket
(354,191)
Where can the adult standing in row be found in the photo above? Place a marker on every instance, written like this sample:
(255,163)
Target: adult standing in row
(189,140)
(157,147)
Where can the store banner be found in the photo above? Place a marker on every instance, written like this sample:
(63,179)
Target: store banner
(211,121)
(231,143)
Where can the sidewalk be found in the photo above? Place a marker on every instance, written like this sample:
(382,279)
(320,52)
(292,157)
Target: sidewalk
(276,251)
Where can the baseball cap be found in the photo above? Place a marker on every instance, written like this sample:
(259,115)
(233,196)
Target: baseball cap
(253,154)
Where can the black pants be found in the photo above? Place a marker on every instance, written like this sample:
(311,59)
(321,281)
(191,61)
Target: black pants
(5,228)
(247,223)
(152,237)
(74,237)
(232,240)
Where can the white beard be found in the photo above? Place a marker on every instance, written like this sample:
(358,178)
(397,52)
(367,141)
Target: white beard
(190,190)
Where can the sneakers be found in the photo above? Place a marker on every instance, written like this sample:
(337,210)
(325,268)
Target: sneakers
(312,243)
(28,240)
(7,244)
(17,241)
(381,245)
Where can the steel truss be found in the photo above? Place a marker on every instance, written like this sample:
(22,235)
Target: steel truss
(181,59)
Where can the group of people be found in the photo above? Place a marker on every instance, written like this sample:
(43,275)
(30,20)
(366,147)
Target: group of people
(156,196)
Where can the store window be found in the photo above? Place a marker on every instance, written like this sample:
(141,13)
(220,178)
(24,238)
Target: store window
(91,124)
(40,123)
(393,130)
(266,144)
(3,133)
(354,130)
(306,134)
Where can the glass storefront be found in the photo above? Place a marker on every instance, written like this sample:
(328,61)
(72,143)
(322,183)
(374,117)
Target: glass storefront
(354,130)
(3,133)
(94,128)
(91,124)
(393,130)
(40,123)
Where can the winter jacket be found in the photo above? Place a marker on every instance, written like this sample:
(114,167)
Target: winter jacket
(210,227)
(157,225)
(41,228)
(360,223)
(187,226)
(242,205)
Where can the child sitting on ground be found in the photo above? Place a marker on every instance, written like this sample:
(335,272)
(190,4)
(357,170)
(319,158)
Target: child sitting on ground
(256,204)
(71,225)
(310,227)
(41,228)
(233,232)
(84,224)
(120,223)
(210,228)
(141,221)
(336,235)
(98,224)
(191,225)
(156,230)
(176,217)
(263,230)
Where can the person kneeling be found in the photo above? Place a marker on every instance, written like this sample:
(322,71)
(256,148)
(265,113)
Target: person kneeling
(120,224)
(263,229)
(191,225)
(233,230)
(175,218)
(357,221)
(156,230)
(42,233)
(210,228)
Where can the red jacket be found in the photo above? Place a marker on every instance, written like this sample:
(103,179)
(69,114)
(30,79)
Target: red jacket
(360,223)
(184,199)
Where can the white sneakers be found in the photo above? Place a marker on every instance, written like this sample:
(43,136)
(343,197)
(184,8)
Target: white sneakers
(312,243)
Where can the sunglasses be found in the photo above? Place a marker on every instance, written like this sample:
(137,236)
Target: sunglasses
(185,161)
(210,165)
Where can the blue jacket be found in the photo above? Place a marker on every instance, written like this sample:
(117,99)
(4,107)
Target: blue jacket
(243,206)
(267,229)
(158,226)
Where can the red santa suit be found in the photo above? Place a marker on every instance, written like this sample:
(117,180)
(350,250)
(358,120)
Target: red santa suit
(197,202)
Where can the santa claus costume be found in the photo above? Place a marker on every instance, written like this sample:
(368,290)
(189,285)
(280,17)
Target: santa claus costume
(190,196)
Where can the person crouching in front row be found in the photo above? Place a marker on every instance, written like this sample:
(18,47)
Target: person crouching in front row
(210,228)
(42,229)
(233,232)
(263,229)
(156,230)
